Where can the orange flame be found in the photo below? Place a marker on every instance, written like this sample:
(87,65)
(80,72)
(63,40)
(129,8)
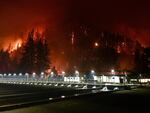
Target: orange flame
(15,45)
(11,44)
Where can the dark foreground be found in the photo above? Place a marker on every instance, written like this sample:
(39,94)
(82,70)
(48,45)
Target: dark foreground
(129,101)
(14,96)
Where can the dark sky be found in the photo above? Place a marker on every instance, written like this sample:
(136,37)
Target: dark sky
(129,17)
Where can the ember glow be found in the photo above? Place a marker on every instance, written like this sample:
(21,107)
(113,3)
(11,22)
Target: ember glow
(58,21)
(40,30)
(96,44)
(12,45)
(16,45)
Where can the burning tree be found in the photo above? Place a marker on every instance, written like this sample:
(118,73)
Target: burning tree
(28,55)
(42,55)
(35,55)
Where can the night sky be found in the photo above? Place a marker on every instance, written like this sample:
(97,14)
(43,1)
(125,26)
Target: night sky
(129,17)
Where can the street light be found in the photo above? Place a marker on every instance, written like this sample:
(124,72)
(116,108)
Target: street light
(20,74)
(42,73)
(93,75)
(14,74)
(63,73)
(27,75)
(92,72)
(112,71)
(140,76)
(52,74)
(33,74)
(126,77)
(77,73)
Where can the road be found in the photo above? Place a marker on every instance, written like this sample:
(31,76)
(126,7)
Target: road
(18,95)
(126,101)
(14,95)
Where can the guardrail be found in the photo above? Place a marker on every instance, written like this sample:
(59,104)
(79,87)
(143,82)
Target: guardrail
(38,79)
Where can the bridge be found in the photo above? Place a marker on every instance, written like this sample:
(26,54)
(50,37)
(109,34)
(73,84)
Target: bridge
(26,79)
(21,90)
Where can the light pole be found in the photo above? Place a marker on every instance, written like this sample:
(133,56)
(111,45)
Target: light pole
(140,76)
(42,76)
(33,75)
(1,76)
(126,78)
(52,74)
(77,73)
(15,78)
(9,75)
(63,73)
(113,71)
(93,75)
(27,77)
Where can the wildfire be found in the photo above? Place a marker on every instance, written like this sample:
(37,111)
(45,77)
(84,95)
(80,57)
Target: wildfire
(96,44)
(15,42)
(16,45)
(40,30)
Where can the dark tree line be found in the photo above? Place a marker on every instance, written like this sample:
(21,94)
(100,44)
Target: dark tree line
(114,50)
(5,61)
(35,54)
